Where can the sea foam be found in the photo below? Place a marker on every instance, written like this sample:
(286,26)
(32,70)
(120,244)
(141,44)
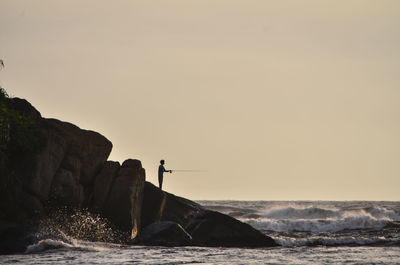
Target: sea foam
(318,219)
(47,244)
(52,244)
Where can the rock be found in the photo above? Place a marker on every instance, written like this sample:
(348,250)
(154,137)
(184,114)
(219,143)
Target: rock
(66,189)
(23,107)
(16,238)
(214,229)
(124,203)
(11,205)
(159,205)
(32,204)
(72,171)
(70,162)
(70,149)
(165,233)
(47,164)
(103,184)
(86,150)
(207,228)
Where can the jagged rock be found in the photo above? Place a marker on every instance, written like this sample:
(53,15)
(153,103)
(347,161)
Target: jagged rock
(165,233)
(124,203)
(159,205)
(103,184)
(214,229)
(70,149)
(86,150)
(82,154)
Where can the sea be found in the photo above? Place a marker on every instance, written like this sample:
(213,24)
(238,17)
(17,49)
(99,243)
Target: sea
(308,232)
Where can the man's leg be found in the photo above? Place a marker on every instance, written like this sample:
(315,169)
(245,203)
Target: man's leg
(160,180)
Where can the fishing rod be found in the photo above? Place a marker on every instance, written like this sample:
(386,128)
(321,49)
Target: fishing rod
(187,170)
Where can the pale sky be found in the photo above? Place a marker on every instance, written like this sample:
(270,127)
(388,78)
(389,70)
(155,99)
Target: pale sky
(275,100)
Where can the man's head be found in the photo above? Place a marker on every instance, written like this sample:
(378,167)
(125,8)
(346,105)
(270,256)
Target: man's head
(162,162)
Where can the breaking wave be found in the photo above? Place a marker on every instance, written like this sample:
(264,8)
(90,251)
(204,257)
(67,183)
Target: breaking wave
(336,241)
(319,219)
(52,244)
(47,244)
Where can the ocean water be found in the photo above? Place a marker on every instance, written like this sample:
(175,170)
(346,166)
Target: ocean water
(309,232)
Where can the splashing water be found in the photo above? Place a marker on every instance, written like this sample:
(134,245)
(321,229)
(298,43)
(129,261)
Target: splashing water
(68,225)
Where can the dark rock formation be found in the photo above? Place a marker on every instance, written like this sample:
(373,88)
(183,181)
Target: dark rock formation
(47,164)
(159,206)
(103,183)
(23,107)
(165,233)
(86,153)
(16,238)
(17,128)
(68,164)
(207,228)
(214,229)
(72,171)
(124,203)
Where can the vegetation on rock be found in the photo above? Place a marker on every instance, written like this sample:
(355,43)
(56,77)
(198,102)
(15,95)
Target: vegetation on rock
(20,140)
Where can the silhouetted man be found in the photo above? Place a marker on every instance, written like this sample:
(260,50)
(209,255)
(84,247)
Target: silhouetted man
(161,170)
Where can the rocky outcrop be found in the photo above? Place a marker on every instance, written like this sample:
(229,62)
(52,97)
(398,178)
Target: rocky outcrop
(23,107)
(85,154)
(160,205)
(72,171)
(206,228)
(68,164)
(214,229)
(124,203)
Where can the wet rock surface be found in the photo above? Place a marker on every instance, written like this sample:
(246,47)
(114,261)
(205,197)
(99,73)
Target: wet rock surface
(214,229)
(165,233)
(207,228)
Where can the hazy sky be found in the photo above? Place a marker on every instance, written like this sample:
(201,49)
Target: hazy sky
(276,100)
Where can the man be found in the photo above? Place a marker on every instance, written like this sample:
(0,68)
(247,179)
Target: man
(161,170)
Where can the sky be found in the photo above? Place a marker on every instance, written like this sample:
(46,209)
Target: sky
(270,99)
